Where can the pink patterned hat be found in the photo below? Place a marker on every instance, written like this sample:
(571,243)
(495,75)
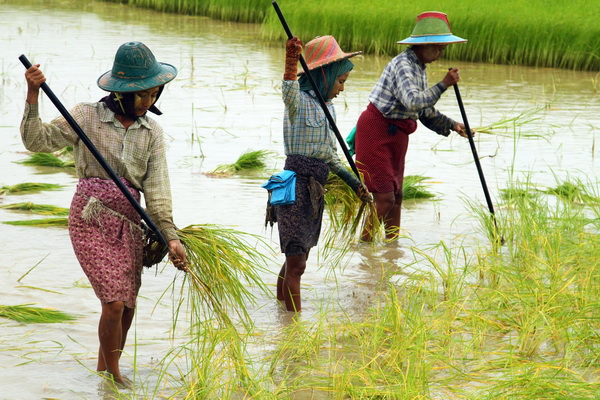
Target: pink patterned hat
(324,50)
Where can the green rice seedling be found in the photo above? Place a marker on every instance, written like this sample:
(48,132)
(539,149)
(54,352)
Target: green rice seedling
(32,268)
(46,160)
(526,122)
(223,265)
(517,33)
(29,187)
(348,214)
(26,313)
(250,160)
(58,221)
(573,192)
(413,188)
(65,152)
(44,209)
(231,10)
(522,33)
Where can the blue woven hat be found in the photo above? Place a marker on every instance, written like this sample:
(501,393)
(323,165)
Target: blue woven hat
(432,27)
(135,68)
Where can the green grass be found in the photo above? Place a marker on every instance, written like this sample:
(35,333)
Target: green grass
(26,313)
(47,160)
(29,187)
(250,160)
(231,10)
(538,33)
(58,221)
(43,209)
(555,34)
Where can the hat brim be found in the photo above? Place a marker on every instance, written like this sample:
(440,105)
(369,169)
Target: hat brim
(432,39)
(331,61)
(122,85)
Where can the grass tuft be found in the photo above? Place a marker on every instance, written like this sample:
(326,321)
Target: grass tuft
(58,221)
(29,187)
(44,209)
(47,160)
(251,160)
(27,314)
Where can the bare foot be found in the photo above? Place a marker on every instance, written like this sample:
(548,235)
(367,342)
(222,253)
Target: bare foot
(120,382)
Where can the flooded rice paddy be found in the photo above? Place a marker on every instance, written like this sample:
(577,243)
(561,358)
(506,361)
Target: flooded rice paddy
(226,100)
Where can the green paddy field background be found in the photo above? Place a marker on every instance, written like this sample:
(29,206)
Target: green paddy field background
(542,33)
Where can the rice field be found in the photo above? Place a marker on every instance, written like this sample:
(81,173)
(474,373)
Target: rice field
(536,33)
(447,320)
(518,321)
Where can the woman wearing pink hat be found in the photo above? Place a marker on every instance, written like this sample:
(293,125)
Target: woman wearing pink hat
(398,100)
(310,147)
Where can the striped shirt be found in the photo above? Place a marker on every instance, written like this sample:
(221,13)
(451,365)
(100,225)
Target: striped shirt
(136,154)
(306,130)
(402,93)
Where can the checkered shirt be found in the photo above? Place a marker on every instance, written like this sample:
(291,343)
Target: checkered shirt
(402,93)
(137,154)
(306,130)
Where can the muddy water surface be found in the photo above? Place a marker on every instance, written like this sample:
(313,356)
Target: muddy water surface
(226,100)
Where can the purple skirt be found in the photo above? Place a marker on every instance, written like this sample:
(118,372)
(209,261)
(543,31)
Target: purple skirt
(107,239)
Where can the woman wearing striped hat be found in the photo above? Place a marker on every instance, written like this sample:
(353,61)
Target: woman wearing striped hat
(310,147)
(398,100)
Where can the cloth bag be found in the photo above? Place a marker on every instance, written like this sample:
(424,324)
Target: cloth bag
(282,186)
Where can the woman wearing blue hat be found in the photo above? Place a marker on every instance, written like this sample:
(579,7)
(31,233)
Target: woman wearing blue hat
(104,227)
(398,100)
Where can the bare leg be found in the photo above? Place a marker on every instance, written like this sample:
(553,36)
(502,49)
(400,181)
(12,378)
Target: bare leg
(391,221)
(294,268)
(110,332)
(280,277)
(384,205)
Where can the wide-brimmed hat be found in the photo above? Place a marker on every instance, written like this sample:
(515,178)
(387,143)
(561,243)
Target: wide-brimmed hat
(324,50)
(432,27)
(135,68)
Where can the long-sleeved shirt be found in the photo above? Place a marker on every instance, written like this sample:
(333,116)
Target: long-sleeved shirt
(306,131)
(136,154)
(402,93)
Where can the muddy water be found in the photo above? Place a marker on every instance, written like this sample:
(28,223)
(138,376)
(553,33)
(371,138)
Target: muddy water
(225,100)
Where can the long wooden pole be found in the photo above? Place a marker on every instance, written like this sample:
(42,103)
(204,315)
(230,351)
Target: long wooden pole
(328,115)
(101,160)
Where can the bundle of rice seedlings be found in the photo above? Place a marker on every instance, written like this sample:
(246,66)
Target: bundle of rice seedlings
(58,221)
(28,187)
(223,265)
(43,209)
(573,192)
(251,160)
(413,188)
(27,314)
(47,160)
(348,214)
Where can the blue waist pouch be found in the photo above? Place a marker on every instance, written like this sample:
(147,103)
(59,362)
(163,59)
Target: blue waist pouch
(283,188)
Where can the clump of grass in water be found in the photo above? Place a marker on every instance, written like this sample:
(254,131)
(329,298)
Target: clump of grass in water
(27,314)
(46,160)
(28,187)
(43,209)
(251,160)
(413,188)
(573,192)
(58,221)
